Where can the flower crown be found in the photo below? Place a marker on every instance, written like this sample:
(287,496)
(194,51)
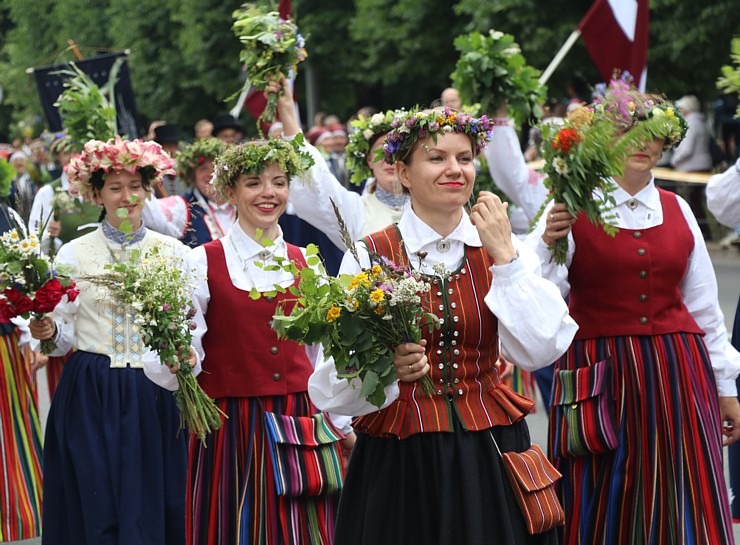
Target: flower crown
(253,157)
(195,154)
(625,106)
(114,156)
(418,125)
(365,131)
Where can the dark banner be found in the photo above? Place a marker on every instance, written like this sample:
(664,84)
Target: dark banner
(50,86)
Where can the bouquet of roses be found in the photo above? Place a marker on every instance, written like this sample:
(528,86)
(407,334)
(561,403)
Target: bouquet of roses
(358,319)
(491,69)
(272,48)
(28,283)
(156,289)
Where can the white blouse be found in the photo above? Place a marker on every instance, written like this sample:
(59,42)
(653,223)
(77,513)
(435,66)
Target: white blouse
(242,257)
(698,288)
(723,196)
(534,326)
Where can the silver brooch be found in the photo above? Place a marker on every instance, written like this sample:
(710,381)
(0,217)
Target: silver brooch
(443,246)
(632,204)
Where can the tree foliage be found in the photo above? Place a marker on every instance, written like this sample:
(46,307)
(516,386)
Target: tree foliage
(184,58)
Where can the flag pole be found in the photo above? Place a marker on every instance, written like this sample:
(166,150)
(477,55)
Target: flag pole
(559,56)
(237,109)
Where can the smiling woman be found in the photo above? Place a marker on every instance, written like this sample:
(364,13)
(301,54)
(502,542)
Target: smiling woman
(435,458)
(233,491)
(104,402)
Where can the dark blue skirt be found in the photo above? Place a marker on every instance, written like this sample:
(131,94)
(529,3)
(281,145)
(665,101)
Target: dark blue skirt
(434,489)
(114,459)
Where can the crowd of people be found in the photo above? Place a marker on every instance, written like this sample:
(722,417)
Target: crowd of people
(627,339)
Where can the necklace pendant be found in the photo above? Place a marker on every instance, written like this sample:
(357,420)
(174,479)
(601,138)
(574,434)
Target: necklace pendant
(443,246)
(264,254)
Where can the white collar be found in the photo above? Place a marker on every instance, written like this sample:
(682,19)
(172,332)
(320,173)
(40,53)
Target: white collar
(417,234)
(249,249)
(648,196)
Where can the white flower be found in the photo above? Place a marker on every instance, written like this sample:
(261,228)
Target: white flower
(496,35)
(377,119)
(511,51)
(368,133)
(136,305)
(560,166)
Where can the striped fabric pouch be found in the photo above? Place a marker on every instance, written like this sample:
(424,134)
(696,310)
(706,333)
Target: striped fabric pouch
(305,453)
(584,415)
(532,478)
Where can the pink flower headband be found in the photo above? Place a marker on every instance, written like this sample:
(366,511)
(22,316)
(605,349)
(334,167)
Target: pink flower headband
(117,155)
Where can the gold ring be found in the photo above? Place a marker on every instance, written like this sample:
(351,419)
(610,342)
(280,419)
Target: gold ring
(411,366)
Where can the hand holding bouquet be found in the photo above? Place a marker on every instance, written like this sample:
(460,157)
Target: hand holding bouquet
(29,284)
(359,319)
(156,289)
(272,48)
(491,69)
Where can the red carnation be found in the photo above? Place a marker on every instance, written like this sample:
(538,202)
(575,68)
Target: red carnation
(20,302)
(48,296)
(201,160)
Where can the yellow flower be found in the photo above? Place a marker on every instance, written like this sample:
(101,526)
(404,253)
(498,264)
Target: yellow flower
(380,309)
(670,113)
(333,314)
(579,117)
(451,118)
(376,270)
(354,304)
(360,279)
(377,295)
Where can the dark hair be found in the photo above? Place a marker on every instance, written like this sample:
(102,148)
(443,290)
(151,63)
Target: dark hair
(97,179)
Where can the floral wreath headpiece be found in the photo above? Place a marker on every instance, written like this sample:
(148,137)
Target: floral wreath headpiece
(253,157)
(625,106)
(117,155)
(366,130)
(417,125)
(197,153)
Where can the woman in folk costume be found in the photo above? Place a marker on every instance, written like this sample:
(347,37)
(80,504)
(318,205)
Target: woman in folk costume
(642,398)
(114,456)
(232,494)
(426,468)
(200,215)
(20,431)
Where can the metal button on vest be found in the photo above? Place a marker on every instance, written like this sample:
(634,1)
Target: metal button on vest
(274,350)
(643,320)
(643,297)
(276,377)
(637,234)
(460,391)
(456,352)
(643,274)
(641,251)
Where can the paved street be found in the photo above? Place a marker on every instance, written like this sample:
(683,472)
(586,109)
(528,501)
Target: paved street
(727,268)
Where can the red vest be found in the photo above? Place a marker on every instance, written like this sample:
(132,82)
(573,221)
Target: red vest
(629,285)
(244,357)
(462,354)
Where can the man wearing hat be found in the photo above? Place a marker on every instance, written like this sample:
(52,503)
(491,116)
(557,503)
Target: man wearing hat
(228,129)
(168,136)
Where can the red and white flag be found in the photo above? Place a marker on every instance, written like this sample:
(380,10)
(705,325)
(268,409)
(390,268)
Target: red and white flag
(616,35)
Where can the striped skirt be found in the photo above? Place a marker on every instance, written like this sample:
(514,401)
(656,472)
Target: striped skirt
(54,372)
(20,446)
(232,498)
(664,483)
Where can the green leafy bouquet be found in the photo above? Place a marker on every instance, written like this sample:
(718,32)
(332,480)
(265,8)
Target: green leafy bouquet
(155,287)
(730,80)
(272,47)
(491,69)
(359,319)
(87,111)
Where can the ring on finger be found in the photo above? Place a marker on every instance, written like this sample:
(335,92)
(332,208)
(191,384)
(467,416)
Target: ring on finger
(411,366)
(552,217)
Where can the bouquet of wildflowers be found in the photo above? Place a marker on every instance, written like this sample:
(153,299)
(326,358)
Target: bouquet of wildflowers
(358,319)
(272,48)
(491,68)
(730,80)
(155,287)
(591,147)
(28,283)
